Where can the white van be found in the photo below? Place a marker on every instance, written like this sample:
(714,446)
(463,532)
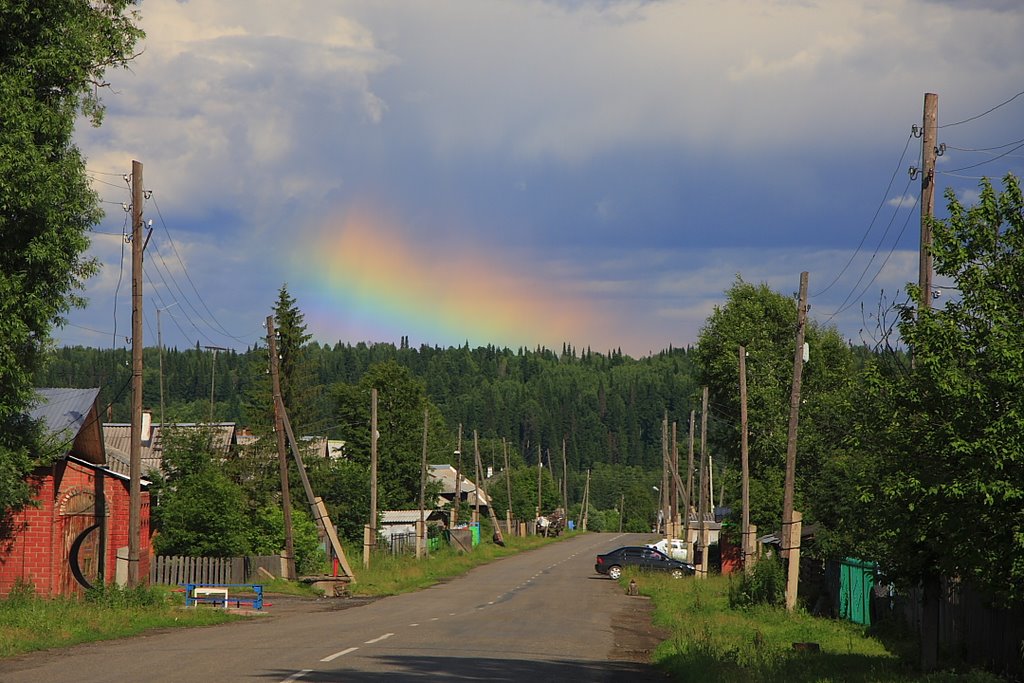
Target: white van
(677,551)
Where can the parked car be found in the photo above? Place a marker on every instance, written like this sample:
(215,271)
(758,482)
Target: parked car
(677,551)
(641,557)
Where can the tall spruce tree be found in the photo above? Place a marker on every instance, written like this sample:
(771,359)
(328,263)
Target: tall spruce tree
(53,56)
(297,389)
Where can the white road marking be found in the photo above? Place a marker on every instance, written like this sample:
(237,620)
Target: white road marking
(379,638)
(413,624)
(297,675)
(331,658)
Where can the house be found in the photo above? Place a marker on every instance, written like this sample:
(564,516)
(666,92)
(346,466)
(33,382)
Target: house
(117,441)
(403,522)
(75,535)
(446,475)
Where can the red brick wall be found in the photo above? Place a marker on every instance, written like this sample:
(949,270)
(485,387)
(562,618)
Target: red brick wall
(34,553)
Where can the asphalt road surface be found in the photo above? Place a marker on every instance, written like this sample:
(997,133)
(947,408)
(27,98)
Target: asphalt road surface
(542,615)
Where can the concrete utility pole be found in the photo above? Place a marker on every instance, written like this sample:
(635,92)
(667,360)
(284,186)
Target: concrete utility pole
(135,449)
(282,452)
(929,151)
(794,412)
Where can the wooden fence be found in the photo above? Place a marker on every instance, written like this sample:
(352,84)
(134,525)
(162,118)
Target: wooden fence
(175,570)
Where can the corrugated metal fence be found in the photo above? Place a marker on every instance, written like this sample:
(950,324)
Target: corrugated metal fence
(175,570)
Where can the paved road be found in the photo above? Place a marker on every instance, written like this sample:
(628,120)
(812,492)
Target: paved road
(537,616)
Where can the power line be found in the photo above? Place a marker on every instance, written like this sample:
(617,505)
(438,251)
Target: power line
(986,161)
(984,149)
(885,195)
(984,113)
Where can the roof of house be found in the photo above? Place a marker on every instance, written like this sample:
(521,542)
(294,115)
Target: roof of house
(408,516)
(70,422)
(446,475)
(118,441)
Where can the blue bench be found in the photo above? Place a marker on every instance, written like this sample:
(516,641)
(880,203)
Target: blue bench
(219,594)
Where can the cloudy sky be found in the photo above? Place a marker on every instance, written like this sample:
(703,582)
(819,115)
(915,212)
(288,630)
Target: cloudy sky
(530,172)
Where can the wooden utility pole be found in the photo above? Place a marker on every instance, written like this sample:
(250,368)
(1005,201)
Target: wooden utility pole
(664,478)
(282,454)
(688,493)
(508,486)
(673,483)
(540,469)
(213,374)
(586,502)
(702,541)
(744,459)
(480,486)
(565,481)
(929,151)
(421,528)
(457,502)
(794,412)
(477,480)
(622,509)
(135,449)
(370,537)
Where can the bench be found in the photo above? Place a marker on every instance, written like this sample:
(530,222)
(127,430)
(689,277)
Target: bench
(217,594)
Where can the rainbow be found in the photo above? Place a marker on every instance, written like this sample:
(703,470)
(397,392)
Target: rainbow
(364,280)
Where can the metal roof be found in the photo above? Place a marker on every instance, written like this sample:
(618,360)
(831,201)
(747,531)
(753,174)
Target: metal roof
(118,439)
(64,411)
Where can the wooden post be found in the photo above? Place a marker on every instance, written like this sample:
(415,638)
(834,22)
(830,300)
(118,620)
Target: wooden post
(665,530)
(586,503)
(457,502)
(928,154)
(282,452)
(744,456)
(373,473)
(703,498)
(367,545)
(540,468)
(476,493)
(794,406)
(421,541)
(498,538)
(688,493)
(135,447)
(565,482)
(508,484)
(673,482)
(791,535)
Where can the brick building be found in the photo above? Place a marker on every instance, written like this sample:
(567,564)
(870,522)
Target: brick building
(77,534)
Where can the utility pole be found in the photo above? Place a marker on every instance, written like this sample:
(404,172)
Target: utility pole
(622,509)
(540,469)
(213,374)
(457,503)
(480,486)
(370,537)
(160,345)
(929,151)
(565,481)
(744,457)
(688,493)
(702,566)
(673,480)
(508,486)
(421,545)
(282,454)
(586,502)
(478,479)
(135,449)
(794,412)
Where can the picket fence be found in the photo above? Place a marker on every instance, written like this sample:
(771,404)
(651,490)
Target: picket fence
(175,570)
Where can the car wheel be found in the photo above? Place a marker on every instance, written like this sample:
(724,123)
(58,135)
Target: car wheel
(677,573)
(614,572)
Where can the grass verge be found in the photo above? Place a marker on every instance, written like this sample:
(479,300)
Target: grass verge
(712,642)
(29,622)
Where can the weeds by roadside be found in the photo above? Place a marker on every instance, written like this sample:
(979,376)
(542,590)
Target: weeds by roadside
(754,643)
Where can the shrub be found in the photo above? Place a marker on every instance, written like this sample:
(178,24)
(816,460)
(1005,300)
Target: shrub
(765,584)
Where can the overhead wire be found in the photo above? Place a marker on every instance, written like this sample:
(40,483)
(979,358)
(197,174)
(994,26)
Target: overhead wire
(982,163)
(984,113)
(885,197)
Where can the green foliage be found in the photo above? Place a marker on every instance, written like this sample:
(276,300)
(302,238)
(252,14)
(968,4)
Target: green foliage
(116,597)
(765,584)
(266,537)
(52,60)
(949,433)
(203,515)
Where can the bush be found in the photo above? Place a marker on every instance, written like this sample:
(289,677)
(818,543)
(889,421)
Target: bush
(765,584)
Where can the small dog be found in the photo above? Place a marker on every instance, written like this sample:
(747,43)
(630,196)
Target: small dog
(633,588)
